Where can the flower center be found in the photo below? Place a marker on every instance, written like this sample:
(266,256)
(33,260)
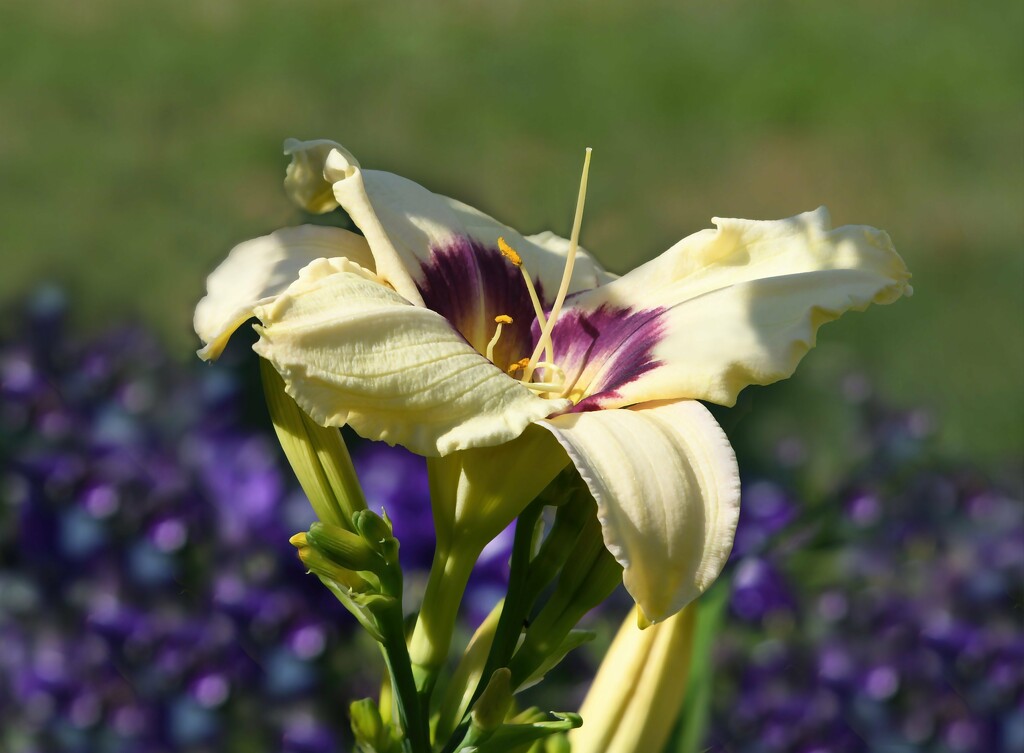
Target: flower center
(543,356)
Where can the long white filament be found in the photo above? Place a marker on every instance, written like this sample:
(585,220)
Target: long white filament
(544,342)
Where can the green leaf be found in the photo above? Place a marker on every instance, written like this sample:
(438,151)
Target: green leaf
(573,640)
(510,737)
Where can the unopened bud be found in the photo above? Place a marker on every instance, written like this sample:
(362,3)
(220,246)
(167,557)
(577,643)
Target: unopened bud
(638,693)
(368,727)
(491,708)
(377,531)
(348,549)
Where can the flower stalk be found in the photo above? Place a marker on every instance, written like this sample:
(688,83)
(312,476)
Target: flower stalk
(371,554)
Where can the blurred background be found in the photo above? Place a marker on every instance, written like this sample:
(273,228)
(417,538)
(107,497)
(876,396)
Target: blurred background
(140,142)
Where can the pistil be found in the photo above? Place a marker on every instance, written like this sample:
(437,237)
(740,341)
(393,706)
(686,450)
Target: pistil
(544,344)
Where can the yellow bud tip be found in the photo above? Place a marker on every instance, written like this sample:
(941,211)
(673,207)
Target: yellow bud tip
(503,319)
(509,253)
(298,540)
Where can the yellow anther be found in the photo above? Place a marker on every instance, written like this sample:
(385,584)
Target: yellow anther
(516,260)
(522,363)
(500,320)
(509,253)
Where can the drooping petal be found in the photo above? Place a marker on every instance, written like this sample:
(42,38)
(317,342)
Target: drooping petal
(667,488)
(353,351)
(723,309)
(257,270)
(441,253)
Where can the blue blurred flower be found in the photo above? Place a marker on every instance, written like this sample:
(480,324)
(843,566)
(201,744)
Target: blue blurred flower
(884,618)
(149,599)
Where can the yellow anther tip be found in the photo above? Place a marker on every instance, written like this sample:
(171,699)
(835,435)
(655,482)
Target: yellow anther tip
(298,540)
(522,363)
(503,319)
(509,253)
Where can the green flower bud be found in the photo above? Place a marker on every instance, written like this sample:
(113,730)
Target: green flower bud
(348,549)
(317,455)
(367,725)
(494,703)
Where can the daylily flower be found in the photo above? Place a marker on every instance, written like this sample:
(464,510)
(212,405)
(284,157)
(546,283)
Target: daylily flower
(424,331)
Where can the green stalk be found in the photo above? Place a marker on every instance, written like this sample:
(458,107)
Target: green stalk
(432,637)
(590,580)
(513,611)
(517,604)
(411,714)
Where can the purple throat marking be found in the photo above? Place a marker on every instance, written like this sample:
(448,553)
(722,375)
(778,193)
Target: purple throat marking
(611,345)
(469,284)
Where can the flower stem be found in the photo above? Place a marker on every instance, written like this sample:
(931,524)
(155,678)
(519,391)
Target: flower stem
(411,713)
(589,578)
(517,601)
(517,605)
(432,636)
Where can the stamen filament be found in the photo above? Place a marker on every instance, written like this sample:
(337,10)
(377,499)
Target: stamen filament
(544,343)
(537,310)
(543,386)
(517,261)
(500,320)
(556,385)
(555,370)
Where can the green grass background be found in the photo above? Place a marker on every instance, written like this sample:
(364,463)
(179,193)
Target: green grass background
(140,140)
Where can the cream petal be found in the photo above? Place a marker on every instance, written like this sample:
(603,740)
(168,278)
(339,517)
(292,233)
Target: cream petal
(724,309)
(667,488)
(442,254)
(304,180)
(353,351)
(259,269)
